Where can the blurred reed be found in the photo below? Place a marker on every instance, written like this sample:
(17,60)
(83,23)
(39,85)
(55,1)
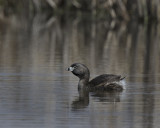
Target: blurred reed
(121,9)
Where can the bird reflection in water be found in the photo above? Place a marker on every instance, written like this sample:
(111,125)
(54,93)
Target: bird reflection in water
(112,96)
(82,101)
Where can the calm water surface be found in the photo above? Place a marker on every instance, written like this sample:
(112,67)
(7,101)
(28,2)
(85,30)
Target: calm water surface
(37,92)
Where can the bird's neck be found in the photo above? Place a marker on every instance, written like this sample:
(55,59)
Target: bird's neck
(83,83)
(84,80)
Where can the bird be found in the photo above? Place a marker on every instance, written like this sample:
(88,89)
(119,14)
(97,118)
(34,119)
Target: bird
(107,82)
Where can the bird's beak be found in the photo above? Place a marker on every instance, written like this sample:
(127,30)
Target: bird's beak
(70,69)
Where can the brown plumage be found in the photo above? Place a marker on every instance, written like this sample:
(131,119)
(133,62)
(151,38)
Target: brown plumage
(106,81)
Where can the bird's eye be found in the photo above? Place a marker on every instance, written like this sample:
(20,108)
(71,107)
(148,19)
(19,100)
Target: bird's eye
(75,67)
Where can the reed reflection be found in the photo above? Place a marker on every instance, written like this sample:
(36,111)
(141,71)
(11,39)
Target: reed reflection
(148,100)
(119,50)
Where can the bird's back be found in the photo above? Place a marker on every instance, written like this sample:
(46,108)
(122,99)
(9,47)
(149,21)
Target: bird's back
(106,81)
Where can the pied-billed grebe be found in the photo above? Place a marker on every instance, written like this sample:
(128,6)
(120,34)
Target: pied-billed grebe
(106,81)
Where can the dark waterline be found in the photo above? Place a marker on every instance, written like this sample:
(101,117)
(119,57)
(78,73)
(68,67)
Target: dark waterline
(37,92)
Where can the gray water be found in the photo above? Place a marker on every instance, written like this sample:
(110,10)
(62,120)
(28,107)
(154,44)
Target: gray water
(37,92)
